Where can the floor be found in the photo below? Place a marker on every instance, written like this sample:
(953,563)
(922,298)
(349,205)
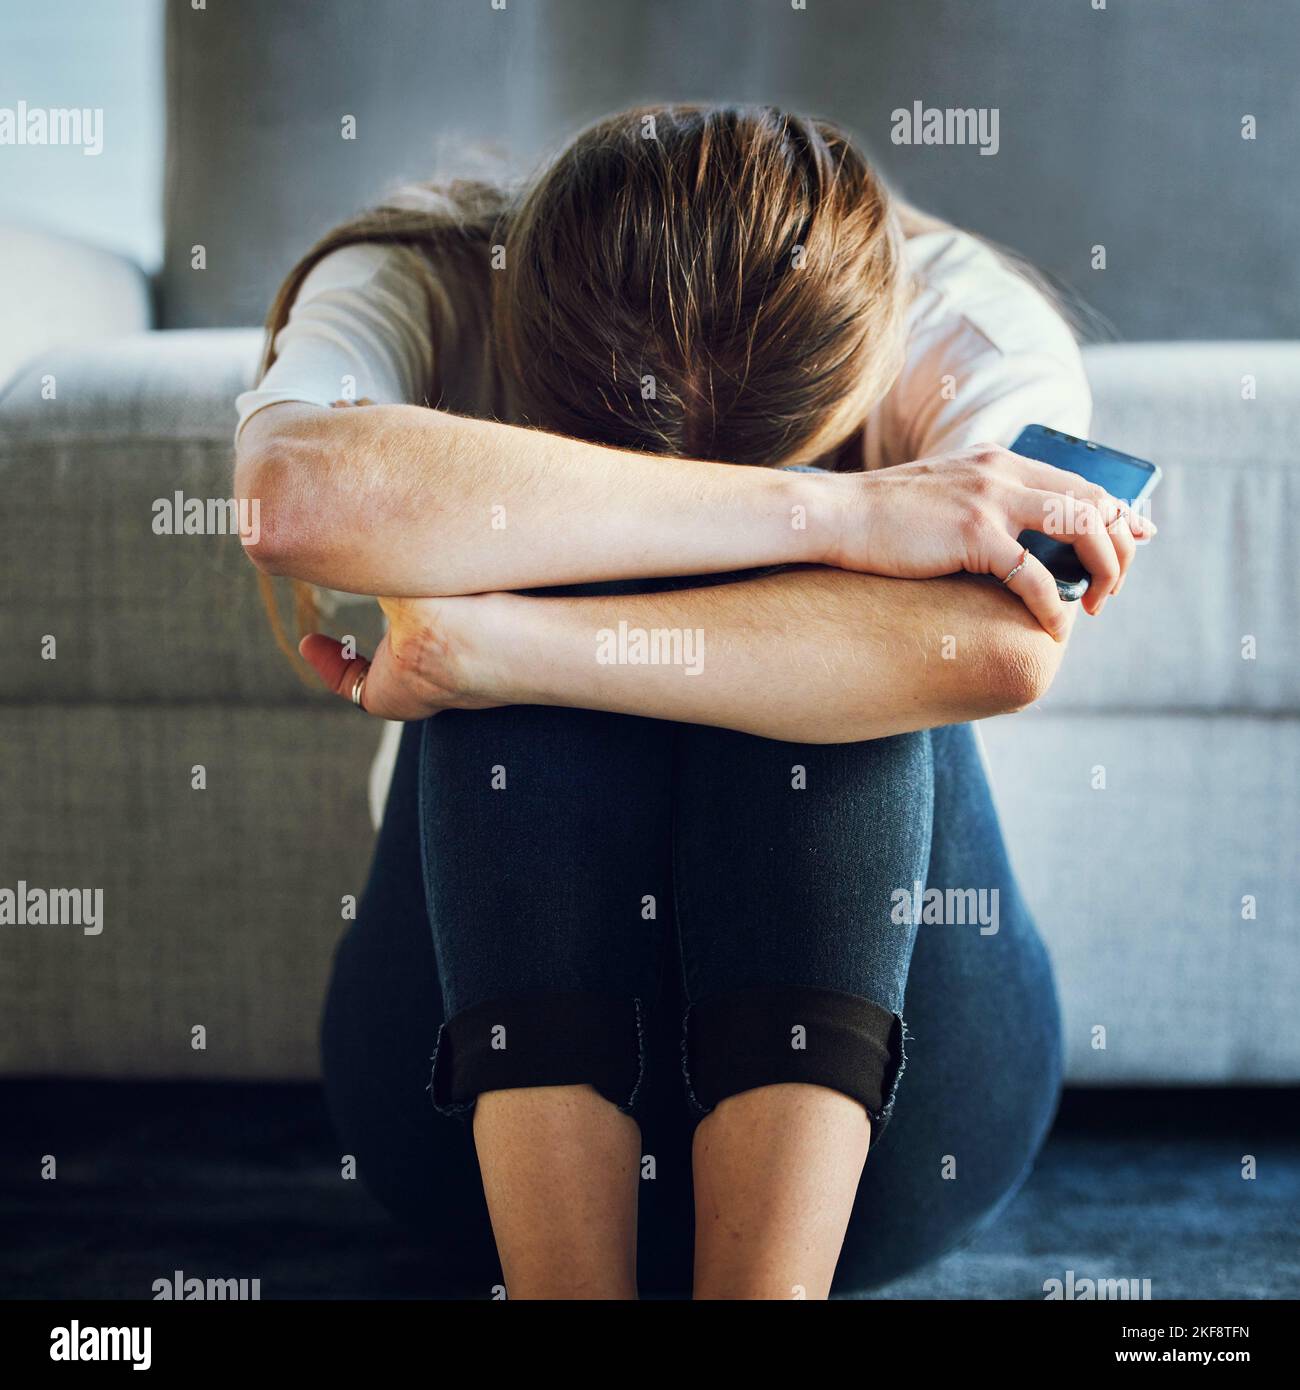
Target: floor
(243,1179)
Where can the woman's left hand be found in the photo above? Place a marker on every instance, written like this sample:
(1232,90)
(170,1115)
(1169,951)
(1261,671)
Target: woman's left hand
(430,659)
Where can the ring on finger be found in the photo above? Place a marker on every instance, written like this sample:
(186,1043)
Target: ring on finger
(358,686)
(1018,566)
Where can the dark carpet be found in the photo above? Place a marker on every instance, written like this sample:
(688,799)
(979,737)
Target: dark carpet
(242,1179)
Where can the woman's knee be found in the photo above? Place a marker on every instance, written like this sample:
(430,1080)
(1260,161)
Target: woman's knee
(788,859)
(548,883)
(865,810)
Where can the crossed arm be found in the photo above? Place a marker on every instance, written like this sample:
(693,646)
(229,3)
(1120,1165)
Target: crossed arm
(816,656)
(446,515)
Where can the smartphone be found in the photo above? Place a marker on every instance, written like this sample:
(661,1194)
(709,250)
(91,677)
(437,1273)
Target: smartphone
(1126,478)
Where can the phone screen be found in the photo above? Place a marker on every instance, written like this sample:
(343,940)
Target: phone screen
(1127,478)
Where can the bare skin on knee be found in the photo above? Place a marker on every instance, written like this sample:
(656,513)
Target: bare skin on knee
(561,1168)
(776,1172)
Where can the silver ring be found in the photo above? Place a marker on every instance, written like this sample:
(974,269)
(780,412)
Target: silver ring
(1019,565)
(358,686)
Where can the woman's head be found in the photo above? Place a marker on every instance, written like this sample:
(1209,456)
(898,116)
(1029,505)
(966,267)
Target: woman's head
(722,283)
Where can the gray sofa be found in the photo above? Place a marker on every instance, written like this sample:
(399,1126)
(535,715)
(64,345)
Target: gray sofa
(222,904)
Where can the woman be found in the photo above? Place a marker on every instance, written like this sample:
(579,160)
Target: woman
(646,889)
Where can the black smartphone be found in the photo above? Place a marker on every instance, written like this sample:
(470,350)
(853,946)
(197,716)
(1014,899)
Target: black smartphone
(1126,478)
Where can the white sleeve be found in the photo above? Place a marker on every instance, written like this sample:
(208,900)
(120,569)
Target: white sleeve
(987,355)
(996,394)
(360,327)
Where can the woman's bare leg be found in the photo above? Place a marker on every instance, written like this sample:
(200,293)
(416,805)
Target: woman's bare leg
(546,838)
(776,1172)
(561,1168)
(794,962)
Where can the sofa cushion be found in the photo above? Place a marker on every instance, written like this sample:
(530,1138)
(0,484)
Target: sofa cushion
(1221,570)
(58,290)
(221,906)
(135,615)
(1140,885)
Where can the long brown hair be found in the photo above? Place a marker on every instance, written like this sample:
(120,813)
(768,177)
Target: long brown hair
(710,282)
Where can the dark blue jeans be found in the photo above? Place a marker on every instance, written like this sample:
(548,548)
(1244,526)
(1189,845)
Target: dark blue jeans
(720,911)
(571,858)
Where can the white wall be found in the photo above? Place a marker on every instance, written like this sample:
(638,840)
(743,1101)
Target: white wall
(105,54)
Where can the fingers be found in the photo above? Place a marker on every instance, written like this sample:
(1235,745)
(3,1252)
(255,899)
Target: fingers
(325,656)
(1026,494)
(1097,530)
(1127,527)
(385,693)
(1033,585)
(1121,533)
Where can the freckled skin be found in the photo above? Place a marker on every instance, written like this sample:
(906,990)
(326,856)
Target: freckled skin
(773,1229)
(561,1168)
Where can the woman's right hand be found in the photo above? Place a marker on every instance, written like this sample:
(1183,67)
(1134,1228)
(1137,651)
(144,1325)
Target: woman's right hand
(963,511)
(437,654)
